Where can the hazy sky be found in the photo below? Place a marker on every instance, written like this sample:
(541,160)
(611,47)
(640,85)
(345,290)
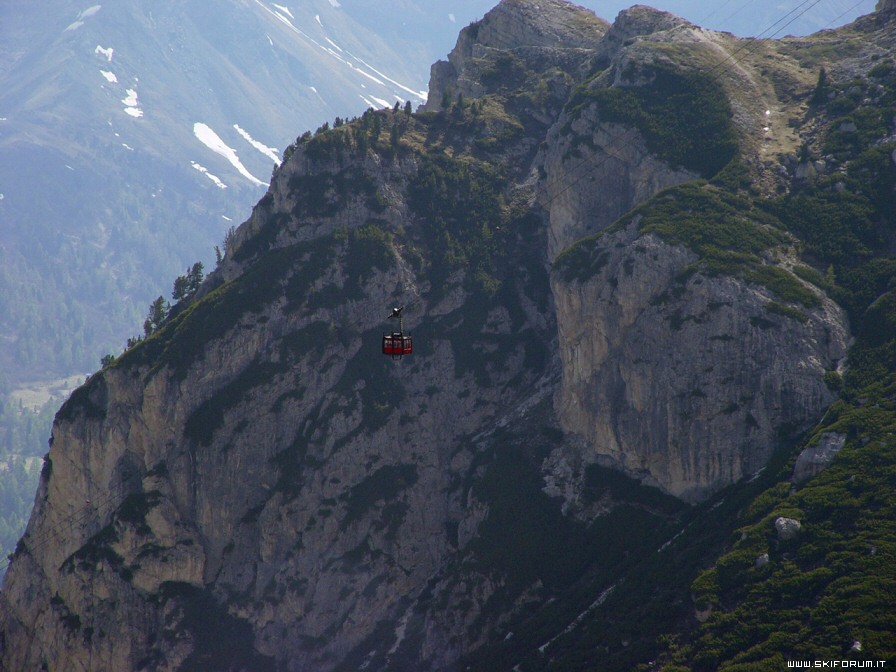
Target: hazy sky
(765,18)
(746,18)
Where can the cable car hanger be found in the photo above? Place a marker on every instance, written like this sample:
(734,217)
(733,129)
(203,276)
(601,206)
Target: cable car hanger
(397,344)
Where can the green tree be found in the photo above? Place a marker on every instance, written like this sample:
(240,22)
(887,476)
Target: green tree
(180,288)
(188,284)
(194,277)
(395,136)
(376,127)
(820,95)
(158,310)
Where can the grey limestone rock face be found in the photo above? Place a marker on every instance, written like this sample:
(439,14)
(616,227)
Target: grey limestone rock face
(813,460)
(612,169)
(684,380)
(540,33)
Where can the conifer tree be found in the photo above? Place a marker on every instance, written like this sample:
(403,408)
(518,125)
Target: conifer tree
(158,310)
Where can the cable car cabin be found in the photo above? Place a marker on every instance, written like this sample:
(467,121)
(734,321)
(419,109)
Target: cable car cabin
(397,344)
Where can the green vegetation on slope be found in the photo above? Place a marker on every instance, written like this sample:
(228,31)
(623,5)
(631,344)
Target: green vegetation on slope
(835,583)
(827,593)
(730,233)
(683,115)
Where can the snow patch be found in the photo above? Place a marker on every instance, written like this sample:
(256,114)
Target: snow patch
(422,95)
(73,26)
(285,20)
(212,140)
(270,152)
(126,146)
(110,76)
(204,171)
(382,103)
(451,18)
(285,10)
(104,52)
(131,106)
(335,3)
(332,50)
(365,74)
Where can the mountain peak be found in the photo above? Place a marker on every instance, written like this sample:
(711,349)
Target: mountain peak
(525,28)
(645,20)
(539,24)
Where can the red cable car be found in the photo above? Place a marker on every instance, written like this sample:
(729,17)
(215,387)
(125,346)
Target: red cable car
(397,344)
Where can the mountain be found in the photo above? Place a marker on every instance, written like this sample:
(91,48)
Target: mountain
(134,137)
(155,131)
(649,273)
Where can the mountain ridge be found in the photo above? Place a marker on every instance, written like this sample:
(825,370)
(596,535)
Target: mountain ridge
(255,459)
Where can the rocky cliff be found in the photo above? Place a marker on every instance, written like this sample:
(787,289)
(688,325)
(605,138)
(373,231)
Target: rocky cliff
(682,378)
(590,281)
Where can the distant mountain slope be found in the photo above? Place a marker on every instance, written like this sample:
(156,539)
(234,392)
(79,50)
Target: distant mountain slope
(133,135)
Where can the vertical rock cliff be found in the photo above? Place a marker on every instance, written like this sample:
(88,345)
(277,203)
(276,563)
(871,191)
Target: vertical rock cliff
(685,379)
(591,281)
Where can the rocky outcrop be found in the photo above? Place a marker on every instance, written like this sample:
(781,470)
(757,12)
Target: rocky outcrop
(611,170)
(684,380)
(272,461)
(542,34)
(787,528)
(814,459)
